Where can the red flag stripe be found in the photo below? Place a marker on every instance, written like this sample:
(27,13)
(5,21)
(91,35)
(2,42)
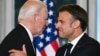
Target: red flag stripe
(43,53)
(55,45)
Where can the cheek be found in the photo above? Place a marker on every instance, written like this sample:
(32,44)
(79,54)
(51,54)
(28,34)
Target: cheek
(65,28)
(42,25)
(40,22)
(62,31)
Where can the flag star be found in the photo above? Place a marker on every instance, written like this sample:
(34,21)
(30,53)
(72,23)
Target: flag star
(50,12)
(42,36)
(40,44)
(47,38)
(51,4)
(45,1)
(55,32)
(48,30)
(49,21)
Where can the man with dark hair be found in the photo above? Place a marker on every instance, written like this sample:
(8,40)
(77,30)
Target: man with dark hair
(71,25)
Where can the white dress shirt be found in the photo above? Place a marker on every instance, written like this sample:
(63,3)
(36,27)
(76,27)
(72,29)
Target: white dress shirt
(30,35)
(74,42)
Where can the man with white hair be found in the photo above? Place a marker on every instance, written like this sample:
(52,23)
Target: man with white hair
(32,21)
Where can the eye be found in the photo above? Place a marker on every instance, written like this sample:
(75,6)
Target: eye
(60,21)
(56,21)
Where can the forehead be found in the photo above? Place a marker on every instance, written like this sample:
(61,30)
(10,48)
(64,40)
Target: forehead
(64,15)
(44,11)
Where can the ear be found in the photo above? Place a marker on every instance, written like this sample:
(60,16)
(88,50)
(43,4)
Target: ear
(32,18)
(76,24)
(36,17)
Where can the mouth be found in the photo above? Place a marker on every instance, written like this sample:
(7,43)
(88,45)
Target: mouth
(43,29)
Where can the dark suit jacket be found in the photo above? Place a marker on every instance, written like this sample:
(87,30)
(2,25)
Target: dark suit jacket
(14,40)
(86,46)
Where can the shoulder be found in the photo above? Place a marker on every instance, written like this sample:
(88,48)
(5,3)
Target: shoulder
(88,44)
(87,40)
(61,50)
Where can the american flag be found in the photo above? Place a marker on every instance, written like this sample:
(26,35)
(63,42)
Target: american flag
(47,43)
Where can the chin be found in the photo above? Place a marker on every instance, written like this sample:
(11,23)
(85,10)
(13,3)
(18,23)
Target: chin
(61,36)
(40,33)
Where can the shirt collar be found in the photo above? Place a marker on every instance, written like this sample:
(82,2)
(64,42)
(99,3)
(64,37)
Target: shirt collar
(74,42)
(28,31)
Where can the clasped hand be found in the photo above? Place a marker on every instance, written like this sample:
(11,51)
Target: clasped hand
(14,52)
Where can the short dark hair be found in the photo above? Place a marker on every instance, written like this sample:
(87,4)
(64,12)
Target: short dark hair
(77,12)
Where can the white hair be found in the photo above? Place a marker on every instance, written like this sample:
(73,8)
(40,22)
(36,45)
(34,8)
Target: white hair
(25,13)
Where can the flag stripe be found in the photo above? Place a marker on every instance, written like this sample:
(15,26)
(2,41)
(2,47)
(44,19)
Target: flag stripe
(47,43)
(43,53)
(49,50)
(55,45)
(38,53)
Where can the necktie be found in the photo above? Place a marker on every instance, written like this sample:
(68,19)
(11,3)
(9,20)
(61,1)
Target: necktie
(68,49)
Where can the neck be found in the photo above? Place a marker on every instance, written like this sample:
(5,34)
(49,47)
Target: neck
(75,35)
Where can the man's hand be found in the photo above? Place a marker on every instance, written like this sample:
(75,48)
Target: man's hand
(14,52)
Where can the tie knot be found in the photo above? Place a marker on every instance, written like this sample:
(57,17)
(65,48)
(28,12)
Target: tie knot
(69,46)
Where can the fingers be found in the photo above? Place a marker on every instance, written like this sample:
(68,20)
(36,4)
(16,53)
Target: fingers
(14,52)
(24,49)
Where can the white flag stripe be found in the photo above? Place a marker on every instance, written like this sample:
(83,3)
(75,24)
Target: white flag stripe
(57,40)
(49,50)
(37,53)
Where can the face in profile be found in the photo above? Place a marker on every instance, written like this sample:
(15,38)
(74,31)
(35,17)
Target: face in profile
(41,21)
(64,24)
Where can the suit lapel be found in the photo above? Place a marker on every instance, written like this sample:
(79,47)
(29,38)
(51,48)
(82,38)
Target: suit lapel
(27,41)
(79,44)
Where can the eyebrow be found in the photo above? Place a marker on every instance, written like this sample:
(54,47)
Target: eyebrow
(60,21)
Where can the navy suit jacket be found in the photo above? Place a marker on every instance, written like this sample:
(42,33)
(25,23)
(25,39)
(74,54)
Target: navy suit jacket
(86,46)
(14,40)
